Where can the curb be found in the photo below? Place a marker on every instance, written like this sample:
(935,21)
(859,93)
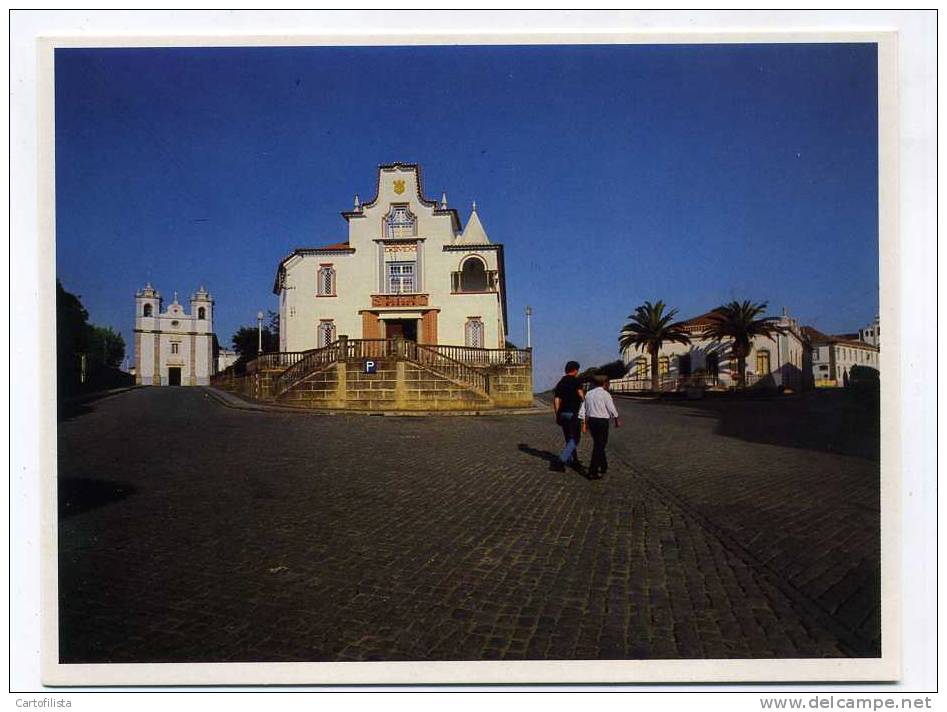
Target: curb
(229,400)
(98,395)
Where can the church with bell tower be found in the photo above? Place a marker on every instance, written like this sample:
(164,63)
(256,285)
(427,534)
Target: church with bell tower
(174,347)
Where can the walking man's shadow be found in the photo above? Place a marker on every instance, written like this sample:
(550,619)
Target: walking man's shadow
(549,457)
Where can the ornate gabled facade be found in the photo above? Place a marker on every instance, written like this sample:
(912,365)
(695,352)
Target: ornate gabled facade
(173,347)
(407,269)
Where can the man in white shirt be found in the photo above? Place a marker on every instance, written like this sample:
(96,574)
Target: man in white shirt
(595,411)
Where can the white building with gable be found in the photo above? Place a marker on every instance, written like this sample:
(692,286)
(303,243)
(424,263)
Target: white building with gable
(406,268)
(174,347)
(781,359)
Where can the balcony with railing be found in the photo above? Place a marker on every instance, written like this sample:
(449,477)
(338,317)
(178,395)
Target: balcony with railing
(462,282)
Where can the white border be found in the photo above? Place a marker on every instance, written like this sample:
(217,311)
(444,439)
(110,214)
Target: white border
(737,669)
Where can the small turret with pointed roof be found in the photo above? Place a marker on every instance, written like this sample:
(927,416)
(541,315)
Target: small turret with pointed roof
(147,304)
(148,291)
(473,233)
(202,307)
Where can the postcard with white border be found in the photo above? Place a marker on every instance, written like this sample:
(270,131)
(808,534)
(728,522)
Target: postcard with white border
(470,359)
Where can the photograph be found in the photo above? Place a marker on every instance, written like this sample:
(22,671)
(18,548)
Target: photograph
(471,352)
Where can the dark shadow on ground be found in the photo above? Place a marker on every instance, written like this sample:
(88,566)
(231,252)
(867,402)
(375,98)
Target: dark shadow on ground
(68,410)
(549,457)
(837,421)
(74,406)
(80,494)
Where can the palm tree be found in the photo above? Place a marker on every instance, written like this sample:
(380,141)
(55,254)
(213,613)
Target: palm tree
(649,329)
(738,323)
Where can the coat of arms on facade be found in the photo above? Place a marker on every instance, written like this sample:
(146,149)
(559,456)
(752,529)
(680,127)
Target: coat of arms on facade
(399,187)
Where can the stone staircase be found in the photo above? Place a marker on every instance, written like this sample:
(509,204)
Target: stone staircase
(393,375)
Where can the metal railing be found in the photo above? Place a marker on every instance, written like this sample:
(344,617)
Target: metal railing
(483,358)
(491,280)
(636,385)
(310,361)
(445,365)
(273,361)
(669,383)
(367,348)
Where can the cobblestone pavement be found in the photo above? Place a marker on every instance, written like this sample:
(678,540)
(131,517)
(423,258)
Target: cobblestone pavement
(193,532)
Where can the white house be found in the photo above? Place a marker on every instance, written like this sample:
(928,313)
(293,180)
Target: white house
(780,360)
(871,334)
(173,347)
(834,356)
(225,359)
(407,267)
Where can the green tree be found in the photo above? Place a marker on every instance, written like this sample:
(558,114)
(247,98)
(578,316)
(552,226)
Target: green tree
(649,328)
(613,370)
(739,323)
(100,348)
(106,347)
(272,320)
(72,339)
(246,342)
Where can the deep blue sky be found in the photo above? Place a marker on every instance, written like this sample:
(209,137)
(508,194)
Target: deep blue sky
(612,174)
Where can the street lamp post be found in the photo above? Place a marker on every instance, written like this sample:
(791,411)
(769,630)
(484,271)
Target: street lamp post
(529,340)
(259,333)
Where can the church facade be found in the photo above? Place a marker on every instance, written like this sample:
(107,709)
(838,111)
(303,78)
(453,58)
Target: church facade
(174,347)
(406,268)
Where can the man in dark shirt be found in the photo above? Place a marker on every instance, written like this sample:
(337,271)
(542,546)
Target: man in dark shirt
(567,400)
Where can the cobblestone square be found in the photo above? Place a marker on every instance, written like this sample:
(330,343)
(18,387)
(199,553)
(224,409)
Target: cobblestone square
(194,532)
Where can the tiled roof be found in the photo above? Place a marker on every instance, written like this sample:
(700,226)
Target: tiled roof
(333,246)
(698,322)
(856,343)
(816,337)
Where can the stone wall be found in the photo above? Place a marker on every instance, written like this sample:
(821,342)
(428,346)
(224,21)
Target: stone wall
(317,390)
(425,390)
(258,386)
(511,386)
(396,384)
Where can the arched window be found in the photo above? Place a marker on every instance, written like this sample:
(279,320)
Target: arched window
(400,222)
(325,333)
(325,281)
(664,365)
(762,362)
(201,313)
(473,275)
(147,310)
(641,367)
(473,333)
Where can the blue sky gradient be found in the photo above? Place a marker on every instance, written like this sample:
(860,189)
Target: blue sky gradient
(612,174)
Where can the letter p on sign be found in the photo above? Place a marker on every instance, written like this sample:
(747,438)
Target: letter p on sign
(370,367)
